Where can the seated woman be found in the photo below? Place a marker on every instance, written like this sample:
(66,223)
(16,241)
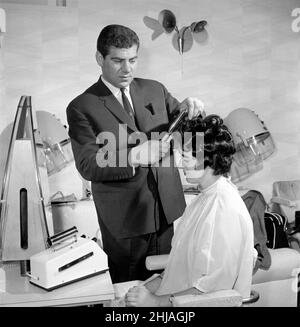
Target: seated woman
(213,244)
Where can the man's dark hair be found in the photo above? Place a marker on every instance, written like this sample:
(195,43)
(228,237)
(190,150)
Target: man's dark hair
(117,36)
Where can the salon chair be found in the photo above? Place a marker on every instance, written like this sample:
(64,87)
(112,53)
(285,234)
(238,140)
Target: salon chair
(275,287)
(286,198)
(286,201)
(222,298)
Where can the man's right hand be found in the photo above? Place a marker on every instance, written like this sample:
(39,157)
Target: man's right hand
(148,153)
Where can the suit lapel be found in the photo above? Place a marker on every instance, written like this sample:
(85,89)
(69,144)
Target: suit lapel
(113,105)
(139,107)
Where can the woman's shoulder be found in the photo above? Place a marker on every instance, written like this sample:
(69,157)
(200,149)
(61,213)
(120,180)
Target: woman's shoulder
(228,193)
(226,188)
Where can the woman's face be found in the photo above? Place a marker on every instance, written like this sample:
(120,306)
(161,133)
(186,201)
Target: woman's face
(192,168)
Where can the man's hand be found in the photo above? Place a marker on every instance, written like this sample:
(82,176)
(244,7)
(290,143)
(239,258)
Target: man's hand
(148,153)
(194,106)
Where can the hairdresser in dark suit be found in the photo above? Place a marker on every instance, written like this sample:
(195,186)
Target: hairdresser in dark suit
(136,199)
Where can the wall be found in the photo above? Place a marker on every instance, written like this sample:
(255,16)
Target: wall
(251,59)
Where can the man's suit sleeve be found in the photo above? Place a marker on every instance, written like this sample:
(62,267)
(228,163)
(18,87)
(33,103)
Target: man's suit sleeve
(87,152)
(172,104)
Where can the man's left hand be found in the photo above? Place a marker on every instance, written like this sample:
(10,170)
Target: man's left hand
(194,106)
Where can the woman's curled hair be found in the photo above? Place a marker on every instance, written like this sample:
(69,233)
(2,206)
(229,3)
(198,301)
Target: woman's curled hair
(218,142)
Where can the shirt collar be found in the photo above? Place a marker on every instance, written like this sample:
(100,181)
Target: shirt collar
(114,90)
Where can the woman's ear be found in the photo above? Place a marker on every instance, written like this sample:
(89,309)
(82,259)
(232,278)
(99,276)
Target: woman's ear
(99,58)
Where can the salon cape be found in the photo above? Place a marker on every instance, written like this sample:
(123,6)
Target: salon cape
(213,245)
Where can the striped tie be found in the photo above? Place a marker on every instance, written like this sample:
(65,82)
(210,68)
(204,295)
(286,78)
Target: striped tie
(126,104)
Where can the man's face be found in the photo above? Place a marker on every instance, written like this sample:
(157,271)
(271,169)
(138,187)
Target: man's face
(119,65)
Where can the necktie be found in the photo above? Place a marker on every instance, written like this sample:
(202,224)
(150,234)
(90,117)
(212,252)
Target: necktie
(127,105)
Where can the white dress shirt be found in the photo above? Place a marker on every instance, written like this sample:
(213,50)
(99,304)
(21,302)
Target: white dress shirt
(117,92)
(118,95)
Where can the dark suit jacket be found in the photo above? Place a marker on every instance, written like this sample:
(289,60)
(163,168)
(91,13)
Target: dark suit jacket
(124,199)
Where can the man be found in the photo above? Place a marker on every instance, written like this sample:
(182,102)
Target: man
(138,201)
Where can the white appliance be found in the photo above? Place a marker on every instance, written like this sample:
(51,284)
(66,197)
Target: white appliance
(69,259)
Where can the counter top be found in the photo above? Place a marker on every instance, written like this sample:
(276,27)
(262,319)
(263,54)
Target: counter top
(17,291)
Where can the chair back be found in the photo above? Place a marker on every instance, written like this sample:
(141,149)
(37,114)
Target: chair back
(286,198)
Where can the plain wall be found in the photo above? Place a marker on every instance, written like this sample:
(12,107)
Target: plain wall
(251,59)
